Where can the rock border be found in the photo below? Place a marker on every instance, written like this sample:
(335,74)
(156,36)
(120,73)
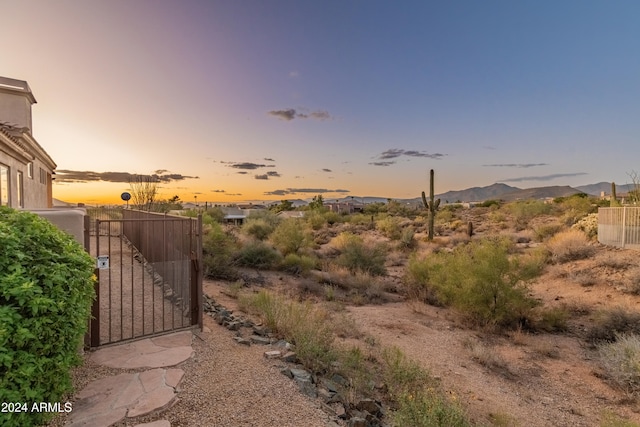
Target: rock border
(366,412)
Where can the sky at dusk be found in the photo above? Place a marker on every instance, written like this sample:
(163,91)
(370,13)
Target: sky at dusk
(268,100)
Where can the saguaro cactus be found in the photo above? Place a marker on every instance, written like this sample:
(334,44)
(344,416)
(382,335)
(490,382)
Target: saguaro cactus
(431,205)
(614,199)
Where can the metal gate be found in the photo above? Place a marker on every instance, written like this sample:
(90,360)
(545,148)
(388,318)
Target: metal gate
(149,269)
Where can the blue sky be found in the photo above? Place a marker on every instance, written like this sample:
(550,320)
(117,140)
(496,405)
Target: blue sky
(238,100)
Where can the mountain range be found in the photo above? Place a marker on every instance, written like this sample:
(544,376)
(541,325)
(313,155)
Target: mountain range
(507,193)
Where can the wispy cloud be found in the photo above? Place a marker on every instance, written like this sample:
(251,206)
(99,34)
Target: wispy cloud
(291,113)
(65,175)
(247,165)
(283,192)
(389,163)
(293,74)
(326,170)
(543,177)
(270,174)
(268,159)
(394,153)
(218,191)
(516,165)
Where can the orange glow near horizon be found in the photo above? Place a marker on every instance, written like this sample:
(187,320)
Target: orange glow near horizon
(101,193)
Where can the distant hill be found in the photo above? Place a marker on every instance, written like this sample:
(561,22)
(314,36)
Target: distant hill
(540,193)
(477,194)
(596,189)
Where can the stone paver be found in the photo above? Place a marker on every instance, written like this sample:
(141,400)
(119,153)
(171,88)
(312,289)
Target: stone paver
(109,400)
(164,351)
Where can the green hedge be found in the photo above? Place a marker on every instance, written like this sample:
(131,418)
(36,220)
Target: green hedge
(46,291)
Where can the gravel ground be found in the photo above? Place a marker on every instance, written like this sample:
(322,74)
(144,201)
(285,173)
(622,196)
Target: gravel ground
(225,384)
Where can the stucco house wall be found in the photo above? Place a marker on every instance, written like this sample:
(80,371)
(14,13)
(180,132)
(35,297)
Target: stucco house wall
(25,167)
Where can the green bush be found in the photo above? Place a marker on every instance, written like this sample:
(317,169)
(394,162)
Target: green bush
(525,211)
(259,228)
(576,207)
(46,291)
(257,254)
(298,264)
(218,248)
(358,255)
(480,279)
(390,227)
(290,236)
(546,231)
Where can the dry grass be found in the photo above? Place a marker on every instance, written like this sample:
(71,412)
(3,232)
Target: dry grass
(487,356)
(621,361)
(569,246)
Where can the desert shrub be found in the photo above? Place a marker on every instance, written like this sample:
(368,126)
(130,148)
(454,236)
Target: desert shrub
(407,240)
(361,219)
(633,277)
(332,217)
(415,394)
(486,356)
(367,257)
(525,211)
(343,239)
(531,264)
(46,292)
(214,214)
(218,247)
(257,254)
(480,280)
(621,362)
(588,225)
(307,326)
(546,231)
(611,323)
(552,319)
(489,203)
(576,207)
(568,246)
(298,264)
(445,215)
(259,228)
(315,219)
(290,236)
(269,216)
(361,287)
(390,227)
(610,419)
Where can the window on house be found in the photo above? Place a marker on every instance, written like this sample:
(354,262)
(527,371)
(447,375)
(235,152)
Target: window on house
(20,182)
(43,176)
(30,169)
(4,185)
